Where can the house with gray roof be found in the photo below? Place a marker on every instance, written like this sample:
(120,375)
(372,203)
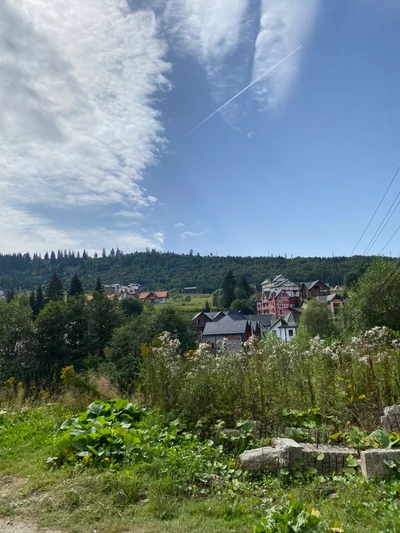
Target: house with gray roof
(234,327)
(335,302)
(286,328)
(312,289)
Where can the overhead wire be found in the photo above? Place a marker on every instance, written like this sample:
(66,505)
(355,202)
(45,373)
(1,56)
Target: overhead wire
(375,293)
(382,225)
(376,210)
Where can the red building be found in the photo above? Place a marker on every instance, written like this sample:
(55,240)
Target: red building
(278,297)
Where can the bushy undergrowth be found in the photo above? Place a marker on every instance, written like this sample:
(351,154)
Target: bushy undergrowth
(351,380)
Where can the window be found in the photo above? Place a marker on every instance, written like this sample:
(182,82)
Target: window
(290,333)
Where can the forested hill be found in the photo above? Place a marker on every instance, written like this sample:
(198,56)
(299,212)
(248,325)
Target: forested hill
(155,270)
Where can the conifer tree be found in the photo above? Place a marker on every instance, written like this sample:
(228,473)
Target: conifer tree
(99,286)
(39,301)
(75,287)
(55,291)
(228,289)
(32,302)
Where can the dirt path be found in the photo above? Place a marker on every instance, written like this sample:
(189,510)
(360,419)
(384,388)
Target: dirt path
(8,525)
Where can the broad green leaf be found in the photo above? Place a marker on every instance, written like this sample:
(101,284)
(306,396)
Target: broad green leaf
(381,438)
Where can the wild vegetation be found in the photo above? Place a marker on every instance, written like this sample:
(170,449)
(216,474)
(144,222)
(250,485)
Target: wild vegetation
(161,271)
(161,458)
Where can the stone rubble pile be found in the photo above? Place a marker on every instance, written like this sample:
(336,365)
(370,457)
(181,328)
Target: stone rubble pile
(289,454)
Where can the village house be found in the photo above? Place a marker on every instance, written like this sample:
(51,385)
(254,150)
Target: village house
(200,320)
(335,302)
(190,290)
(286,328)
(312,289)
(234,327)
(278,296)
(154,297)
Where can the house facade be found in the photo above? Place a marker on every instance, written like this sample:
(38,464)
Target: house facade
(154,297)
(200,320)
(313,289)
(335,302)
(278,296)
(286,328)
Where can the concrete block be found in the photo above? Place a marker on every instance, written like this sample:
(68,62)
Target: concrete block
(372,462)
(264,459)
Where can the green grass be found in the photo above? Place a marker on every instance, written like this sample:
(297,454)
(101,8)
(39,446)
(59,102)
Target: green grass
(151,496)
(196,303)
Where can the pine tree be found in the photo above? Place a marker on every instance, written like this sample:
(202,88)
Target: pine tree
(228,289)
(104,253)
(243,290)
(99,286)
(206,308)
(32,302)
(75,287)
(39,303)
(55,291)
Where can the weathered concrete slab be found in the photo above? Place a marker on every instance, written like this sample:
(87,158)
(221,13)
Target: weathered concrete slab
(266,459)
(287,453)
(372,462)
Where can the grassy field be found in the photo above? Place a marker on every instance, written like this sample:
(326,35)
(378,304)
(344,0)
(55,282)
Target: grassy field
(194,305)
(163,491)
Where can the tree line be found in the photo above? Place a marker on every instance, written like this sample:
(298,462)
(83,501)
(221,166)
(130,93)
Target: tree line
(165,271)
(51,329)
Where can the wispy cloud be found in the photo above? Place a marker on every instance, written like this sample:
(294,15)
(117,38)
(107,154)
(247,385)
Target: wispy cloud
(284,25)
(208,29)
(179,225)
(128,214)
(212,32)
(193,234)
(78,125)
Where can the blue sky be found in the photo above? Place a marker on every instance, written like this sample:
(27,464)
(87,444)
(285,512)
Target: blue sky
(97,98)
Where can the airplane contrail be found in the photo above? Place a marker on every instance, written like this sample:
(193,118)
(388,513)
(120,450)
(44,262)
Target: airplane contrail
(242,91)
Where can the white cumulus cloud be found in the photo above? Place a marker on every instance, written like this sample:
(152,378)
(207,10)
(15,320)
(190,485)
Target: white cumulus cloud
(78,124)
(284,25)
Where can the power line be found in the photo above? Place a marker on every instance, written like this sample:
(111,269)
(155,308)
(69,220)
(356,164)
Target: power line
(376,210)
(398,227)
(374,239)
(375,293)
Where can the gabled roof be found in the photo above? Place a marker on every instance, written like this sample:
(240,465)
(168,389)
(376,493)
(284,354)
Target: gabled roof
(329,298)
(310,284)
(209,314)
(160,294)
(226,326)
(264,320)
(291,319)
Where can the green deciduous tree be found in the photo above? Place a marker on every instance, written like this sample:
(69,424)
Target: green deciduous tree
(104,317)
(131,307)
(247,307)
(375,299)
(16,340)
(316,320)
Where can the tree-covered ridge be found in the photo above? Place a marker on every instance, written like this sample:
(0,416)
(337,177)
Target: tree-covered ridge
(158,270)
